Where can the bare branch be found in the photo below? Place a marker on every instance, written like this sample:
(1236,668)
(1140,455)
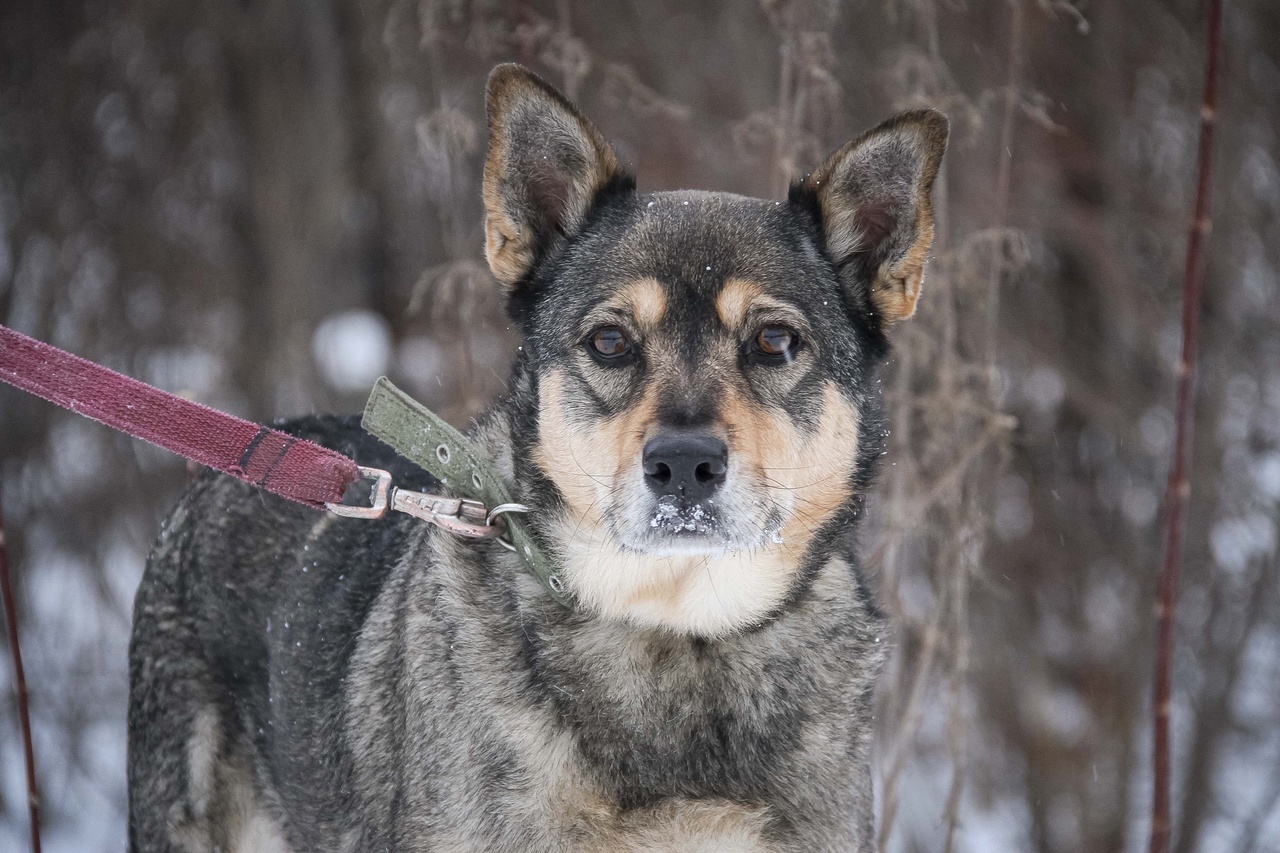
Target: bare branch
(1179,481)
(20,679)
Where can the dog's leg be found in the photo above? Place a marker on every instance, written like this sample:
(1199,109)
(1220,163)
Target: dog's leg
(168,684)
(175,730)
(190,784)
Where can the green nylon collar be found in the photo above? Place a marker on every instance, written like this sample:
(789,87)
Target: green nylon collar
(421,436)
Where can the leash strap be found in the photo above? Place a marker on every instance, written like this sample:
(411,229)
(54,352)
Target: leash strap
(288,466)
(421,436)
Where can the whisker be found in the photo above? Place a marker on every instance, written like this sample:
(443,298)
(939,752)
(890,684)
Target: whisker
(777,485)
(595,478)
(706,564)
(579,473)
(582,518)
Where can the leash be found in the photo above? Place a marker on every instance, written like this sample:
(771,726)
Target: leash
(286,465)
(290,467)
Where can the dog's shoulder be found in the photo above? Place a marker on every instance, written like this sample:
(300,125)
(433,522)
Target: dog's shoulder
(255,574)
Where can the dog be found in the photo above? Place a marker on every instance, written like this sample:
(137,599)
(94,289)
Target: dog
(695,420)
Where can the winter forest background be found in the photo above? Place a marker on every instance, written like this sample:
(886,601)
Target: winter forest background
(264,205)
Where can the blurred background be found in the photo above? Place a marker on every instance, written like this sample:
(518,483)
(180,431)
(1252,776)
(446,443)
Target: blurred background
(264,205)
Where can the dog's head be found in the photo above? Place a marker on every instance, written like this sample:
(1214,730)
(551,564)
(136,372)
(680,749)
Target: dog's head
(701,407)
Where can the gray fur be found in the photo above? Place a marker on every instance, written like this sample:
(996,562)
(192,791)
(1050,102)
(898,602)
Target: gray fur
(307,683)
(439,700)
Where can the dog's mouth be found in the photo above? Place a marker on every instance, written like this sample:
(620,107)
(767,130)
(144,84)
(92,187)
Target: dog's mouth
(670,526)
(676,517)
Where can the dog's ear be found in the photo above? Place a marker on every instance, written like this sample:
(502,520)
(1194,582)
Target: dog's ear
(873,199)
(545,167)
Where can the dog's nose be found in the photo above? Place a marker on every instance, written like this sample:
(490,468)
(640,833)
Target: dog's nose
(685,464)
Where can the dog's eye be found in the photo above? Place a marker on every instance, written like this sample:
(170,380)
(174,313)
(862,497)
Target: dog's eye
(775,344)
(609,342)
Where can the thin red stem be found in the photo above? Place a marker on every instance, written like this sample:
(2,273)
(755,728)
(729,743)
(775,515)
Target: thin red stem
(24,714)
(1179,488)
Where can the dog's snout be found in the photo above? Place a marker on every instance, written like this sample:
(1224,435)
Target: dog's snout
(685,464)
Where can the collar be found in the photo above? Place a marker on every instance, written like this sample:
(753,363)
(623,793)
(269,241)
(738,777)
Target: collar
(421,436)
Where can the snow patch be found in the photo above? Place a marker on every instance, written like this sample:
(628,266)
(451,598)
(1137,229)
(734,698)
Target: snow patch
(674,519)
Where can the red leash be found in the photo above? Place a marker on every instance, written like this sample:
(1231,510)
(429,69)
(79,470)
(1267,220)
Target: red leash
(290,467)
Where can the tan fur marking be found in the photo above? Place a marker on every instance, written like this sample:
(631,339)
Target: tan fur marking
(735,300)
(225,812)
(670,588)
(740,299)
(581,464)
(897,286)
(203,747)
(258,832)
(507,249)
(645,300)
(809,468)
(819,477)
(694,826)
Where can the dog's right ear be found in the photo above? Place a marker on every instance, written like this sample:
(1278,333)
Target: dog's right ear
(545,167)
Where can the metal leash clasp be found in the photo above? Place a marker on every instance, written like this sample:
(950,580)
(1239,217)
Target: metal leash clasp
(460,516)
(457,515)
(378,497)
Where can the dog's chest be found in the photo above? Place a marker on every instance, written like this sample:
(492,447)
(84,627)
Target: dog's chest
(638,794)
(575,734)
(656,718)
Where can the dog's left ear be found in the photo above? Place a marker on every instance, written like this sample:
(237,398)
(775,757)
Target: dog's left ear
(545,167)
(873,198)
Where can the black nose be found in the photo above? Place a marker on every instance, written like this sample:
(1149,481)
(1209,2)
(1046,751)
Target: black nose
(685,464)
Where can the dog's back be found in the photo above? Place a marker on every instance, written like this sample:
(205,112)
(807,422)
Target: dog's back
(212,683)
